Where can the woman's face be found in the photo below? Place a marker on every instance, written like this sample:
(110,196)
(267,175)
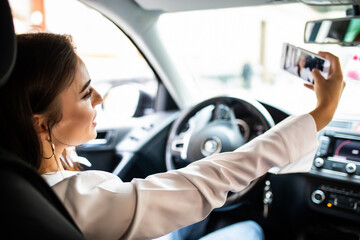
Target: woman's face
(302,61)
(77,125)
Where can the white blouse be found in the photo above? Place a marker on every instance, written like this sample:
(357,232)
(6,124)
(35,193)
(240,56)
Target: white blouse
(104,207)
(305,73)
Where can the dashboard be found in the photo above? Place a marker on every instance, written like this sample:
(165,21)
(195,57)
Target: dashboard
(338,159)
(324,203)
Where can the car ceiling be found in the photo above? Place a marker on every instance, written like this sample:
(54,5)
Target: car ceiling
(186,5)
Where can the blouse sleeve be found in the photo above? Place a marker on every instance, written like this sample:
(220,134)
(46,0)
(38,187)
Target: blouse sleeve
(106,208)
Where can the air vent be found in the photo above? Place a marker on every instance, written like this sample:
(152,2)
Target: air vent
(101,135)
(340,124)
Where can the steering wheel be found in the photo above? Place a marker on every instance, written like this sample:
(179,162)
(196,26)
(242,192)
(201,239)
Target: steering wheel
(219,124)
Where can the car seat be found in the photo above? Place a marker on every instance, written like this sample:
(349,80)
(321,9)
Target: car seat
(29,209)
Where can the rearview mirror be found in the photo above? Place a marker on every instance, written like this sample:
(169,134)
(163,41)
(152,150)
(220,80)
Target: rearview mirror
(342,31)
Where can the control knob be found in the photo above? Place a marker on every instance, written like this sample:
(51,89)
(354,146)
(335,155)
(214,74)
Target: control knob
(317,196)
(319,162)
(350,168)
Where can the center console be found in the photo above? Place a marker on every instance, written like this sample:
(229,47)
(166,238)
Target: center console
(338,160)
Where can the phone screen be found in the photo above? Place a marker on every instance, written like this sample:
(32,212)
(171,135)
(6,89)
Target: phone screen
(301,62)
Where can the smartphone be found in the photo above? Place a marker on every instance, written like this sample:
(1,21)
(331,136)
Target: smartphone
(301,62)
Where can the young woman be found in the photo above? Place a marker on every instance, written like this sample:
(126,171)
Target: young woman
(301,70)
(49,103)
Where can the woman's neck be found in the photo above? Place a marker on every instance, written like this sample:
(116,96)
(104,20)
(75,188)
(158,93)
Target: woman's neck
(52,164)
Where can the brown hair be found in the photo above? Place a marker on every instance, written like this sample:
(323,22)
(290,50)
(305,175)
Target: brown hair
(45,66)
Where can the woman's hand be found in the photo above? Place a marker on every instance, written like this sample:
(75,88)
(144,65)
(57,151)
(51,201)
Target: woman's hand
(328,91)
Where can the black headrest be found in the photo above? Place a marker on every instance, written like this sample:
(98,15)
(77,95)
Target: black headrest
(7,42)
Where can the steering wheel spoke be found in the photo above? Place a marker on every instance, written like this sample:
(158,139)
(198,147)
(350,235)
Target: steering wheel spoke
(223,112)
(179,147)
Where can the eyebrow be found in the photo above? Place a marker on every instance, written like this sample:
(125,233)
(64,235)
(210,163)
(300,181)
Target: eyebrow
(85,86)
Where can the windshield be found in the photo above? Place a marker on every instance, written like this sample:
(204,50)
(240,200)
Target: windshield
(237,51)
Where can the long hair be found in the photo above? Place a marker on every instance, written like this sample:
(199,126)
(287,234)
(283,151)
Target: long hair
(298,64)
(45,66)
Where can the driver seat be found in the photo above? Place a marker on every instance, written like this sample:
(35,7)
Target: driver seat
(29,209)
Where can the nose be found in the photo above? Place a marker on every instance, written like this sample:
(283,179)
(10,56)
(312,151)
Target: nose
(96,99)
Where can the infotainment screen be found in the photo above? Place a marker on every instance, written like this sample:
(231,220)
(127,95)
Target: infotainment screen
(349,149)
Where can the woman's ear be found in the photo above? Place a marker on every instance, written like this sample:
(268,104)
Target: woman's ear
(39,122)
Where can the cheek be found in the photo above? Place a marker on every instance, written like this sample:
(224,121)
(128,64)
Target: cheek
(76,127)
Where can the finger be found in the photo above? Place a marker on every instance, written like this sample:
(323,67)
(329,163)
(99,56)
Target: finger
(343,86)
(328,56)
(334,61)
(318,78)
(311,87)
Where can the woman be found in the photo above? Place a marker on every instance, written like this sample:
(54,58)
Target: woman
(49,104)
(301,70)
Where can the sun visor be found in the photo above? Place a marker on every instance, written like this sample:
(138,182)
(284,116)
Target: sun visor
(189,5)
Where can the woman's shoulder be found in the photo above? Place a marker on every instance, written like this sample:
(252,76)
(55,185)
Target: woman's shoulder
(93,176)
(293,69)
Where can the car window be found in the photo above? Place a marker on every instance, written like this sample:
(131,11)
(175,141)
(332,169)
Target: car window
(111,58)
(238,51)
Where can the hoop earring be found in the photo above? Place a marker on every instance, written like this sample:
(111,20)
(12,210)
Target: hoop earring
(51,145)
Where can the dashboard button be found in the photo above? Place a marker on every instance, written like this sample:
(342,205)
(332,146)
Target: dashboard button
(324,145)
(336,166)
(319,162)
(317,196)
(350,168)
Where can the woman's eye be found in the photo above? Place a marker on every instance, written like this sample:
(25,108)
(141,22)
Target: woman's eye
(88,94)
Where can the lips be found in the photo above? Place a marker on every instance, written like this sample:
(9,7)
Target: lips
(94,123)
